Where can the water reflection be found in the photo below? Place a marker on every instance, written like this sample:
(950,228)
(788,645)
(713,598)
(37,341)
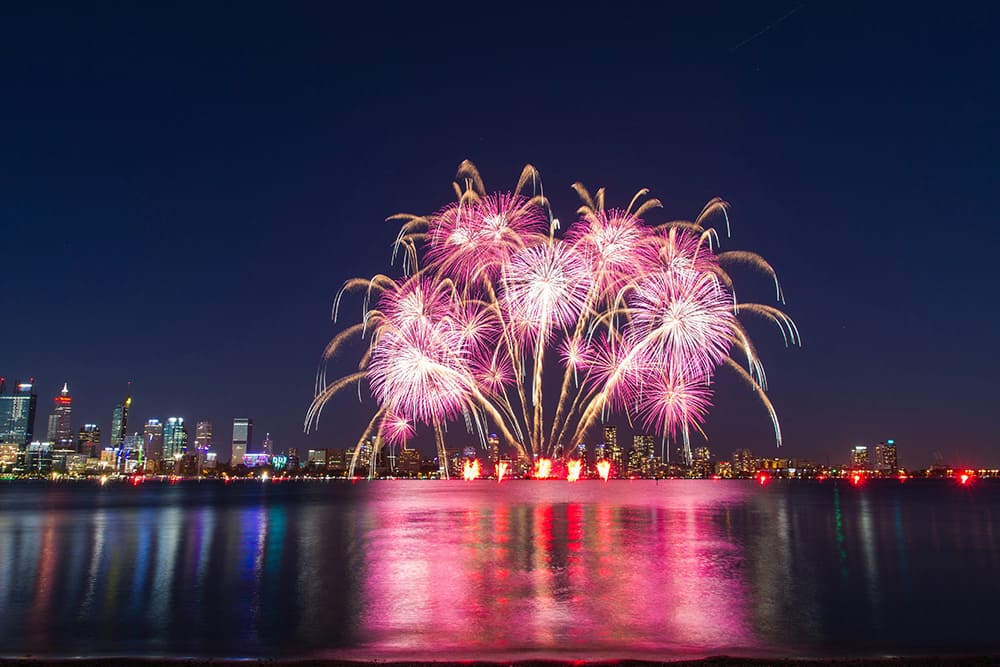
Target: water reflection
(457,570)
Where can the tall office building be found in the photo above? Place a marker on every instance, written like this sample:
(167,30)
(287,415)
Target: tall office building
(17,414)
(645,445)
(701,462)
(242,439)
(119,420)
(88,440)
(613,452)
(152,437)
(610,438)
(203,435)
(493,448)
(743,463)
(60,431)
(174,439)
(886,460)
(859,457)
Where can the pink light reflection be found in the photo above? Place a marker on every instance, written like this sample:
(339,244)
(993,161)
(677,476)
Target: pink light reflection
(486,571)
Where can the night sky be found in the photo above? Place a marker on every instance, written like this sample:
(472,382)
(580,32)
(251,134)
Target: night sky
(184,188)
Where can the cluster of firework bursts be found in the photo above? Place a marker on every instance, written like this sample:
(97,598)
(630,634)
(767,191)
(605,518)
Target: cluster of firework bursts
(637,318)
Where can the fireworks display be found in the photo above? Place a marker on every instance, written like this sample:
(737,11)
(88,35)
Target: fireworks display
(637,318)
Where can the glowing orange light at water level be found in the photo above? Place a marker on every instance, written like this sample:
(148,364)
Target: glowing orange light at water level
(604,469)
(501,470)
(573,469)
(543,468)
(470,470)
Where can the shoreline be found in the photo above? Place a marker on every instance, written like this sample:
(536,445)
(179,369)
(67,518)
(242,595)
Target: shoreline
(713,661)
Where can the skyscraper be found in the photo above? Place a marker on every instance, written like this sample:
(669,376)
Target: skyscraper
(743,463)
(17,414)
(614,453)
(267,447)
(886,461)
(88,441)
(152,436)
(119,420)
(493,448)
(242,438)
(645,445)
(859,457)
(203,435)
(174,439)
(60,431)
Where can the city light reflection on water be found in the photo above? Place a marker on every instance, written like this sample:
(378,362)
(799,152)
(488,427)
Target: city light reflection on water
(475,570)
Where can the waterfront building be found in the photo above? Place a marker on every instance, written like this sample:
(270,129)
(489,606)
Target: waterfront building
(119,420)
(152,435)
(409,462)
(859,457)
(701,464)
(38,458)
(316,459)
(256,459)
(645,445)
(614,453)
(744,464)
(75,464)
(203,435)
(492,448)
(8,455)
(17,414)
(108,460)
(337,460)
(60,432)
(242,438)
(88,439)
(886,461)
(130,454)
(174,440)
(610,439)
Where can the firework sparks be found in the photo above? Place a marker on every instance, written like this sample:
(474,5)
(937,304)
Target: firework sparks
(573,470)
(604,469)
(641,318)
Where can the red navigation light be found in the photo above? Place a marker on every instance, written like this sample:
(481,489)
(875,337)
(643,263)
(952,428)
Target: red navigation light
(902,477)
(964,478)
(762,478)
(716,477)
(856,478)
(820,478)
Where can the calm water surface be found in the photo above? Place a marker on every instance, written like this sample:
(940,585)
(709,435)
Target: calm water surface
(459,570)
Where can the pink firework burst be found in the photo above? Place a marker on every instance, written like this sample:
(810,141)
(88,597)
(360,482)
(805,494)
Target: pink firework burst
(420,371)
(615,243)
(671,400)
(546,288)
(397,429)
(472,237)
(681,318)
(417,300)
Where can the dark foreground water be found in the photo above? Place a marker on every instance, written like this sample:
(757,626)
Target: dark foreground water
(473,570)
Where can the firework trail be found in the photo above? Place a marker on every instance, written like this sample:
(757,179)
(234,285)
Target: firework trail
(640,317)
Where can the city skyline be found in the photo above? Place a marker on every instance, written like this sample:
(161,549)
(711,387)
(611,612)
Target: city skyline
(178,436)
(283,181)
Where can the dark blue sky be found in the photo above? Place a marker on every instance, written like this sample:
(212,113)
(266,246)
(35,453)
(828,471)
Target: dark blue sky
(183,189)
